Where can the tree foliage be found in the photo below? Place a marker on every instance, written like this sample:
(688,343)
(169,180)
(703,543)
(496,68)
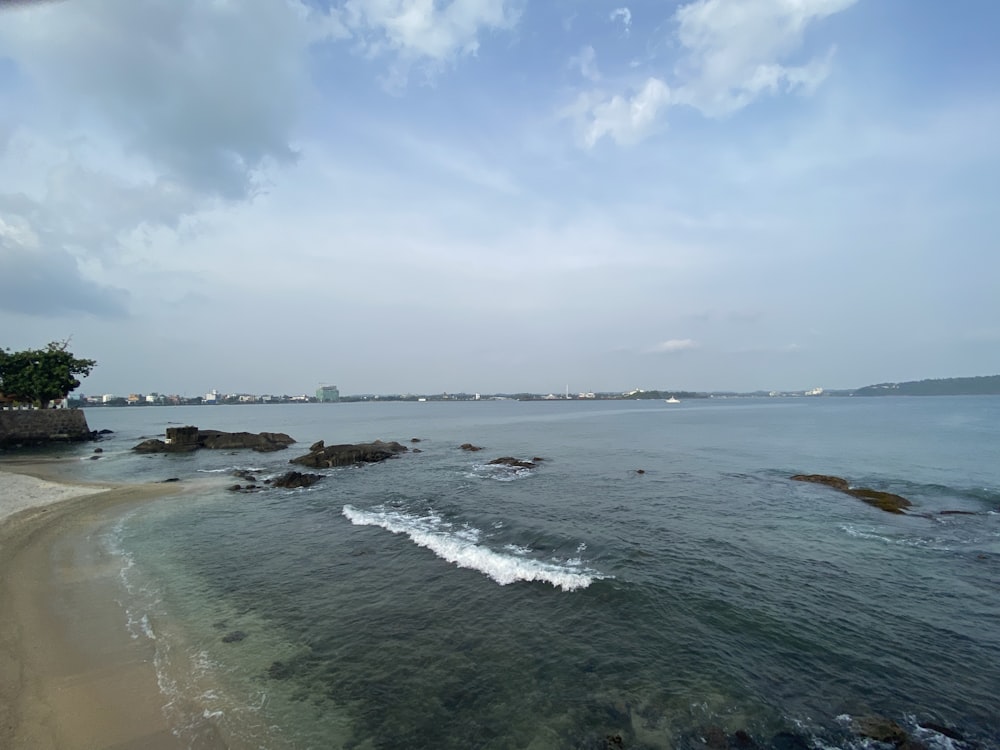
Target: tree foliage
(40,376)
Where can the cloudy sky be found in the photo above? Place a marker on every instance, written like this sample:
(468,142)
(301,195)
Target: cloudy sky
(502,195)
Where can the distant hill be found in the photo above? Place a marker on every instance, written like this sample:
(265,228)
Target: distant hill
(980,386)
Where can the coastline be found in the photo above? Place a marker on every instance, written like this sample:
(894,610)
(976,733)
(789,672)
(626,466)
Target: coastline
(71,675)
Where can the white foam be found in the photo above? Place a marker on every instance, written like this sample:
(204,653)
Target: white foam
(462,550)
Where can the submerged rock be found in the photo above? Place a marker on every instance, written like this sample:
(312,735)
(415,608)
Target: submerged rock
(470,447)
(234,637)
(880,729)
(349,454)
(886,501)
(836,482)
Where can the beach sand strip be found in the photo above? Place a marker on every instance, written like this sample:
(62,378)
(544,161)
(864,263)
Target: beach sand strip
(71,675)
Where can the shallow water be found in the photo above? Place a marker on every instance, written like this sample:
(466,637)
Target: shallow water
(436,601)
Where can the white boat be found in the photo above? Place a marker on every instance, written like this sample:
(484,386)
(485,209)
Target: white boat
(672,400)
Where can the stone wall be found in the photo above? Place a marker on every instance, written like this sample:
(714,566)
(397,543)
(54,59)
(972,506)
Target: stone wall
(40,426)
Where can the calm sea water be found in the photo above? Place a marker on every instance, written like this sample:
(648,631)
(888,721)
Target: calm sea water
(433,601)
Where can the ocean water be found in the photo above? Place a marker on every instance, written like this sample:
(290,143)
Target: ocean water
(434,601)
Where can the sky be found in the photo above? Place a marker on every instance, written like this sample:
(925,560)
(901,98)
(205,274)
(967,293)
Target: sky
(425,196)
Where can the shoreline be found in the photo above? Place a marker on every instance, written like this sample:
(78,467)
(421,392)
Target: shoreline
(71,675)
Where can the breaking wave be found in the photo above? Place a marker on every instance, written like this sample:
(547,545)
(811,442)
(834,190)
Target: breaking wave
(460,546)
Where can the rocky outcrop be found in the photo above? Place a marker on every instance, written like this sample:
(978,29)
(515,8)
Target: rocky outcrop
(470,447)
(886,501)
(294,480)
(188,439)
(515,463)
(350,454)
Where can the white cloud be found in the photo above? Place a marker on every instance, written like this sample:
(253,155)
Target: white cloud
(735,50)
(732,52)
(425,29)
(586,61)
(626,118)
(624,15)
(671,346)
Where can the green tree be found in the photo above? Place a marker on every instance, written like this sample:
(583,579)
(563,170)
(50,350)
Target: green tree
(41,376)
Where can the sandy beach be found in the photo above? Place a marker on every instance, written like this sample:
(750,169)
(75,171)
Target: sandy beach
(71,675)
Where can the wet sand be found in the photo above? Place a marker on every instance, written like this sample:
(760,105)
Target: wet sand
(71,674)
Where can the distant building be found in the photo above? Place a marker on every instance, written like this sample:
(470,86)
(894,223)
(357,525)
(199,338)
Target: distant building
(327,394)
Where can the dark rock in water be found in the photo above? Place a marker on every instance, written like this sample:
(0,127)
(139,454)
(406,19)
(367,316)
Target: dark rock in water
(414,440)
(235,487)
(244,474)
(279,671)
(295,479)
(350,454)
(470,447)
(948,732)
(789,741)
(188,439)
(264,442)
(836,482)
(171,479)
(883,500)
(151,446)
(512,462)
(94,458)
(957,513)
(640,471)
(741,740)
(317,446)
(537,459)
(714,738)
(98,450)
(880,729)
(614,742)
(105,432)
(234,637)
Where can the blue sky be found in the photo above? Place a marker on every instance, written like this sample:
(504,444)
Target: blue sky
(500,195)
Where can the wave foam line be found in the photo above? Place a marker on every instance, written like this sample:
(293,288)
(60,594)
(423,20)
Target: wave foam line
(461,551)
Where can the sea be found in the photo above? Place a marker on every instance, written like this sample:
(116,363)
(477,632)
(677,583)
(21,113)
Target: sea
(655,581)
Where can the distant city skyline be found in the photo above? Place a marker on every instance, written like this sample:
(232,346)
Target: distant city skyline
(502,195)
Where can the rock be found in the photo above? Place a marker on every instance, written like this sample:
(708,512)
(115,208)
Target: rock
(171,479)
(414,440)
(958,513)
(537,459)
(512,462)
(942,729)
(188,439)
(883,500)
(235,487)
(94,458)
(279,671)
(836,482)
(640,471)
(295,479)
(415,450)
(264,442)
(105,432)
(151,446)
(349,454)
(788,741)
(470,447)
(98,450)
(234,637)
(880,729)
(244,474)
(741,740)
(317,446)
